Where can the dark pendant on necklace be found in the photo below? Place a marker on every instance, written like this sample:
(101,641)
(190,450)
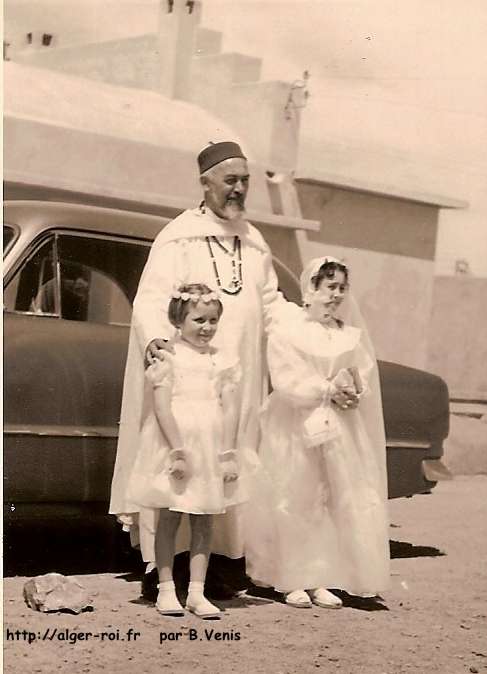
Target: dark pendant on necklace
(236,284)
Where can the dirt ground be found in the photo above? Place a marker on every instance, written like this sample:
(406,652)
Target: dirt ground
(434,616)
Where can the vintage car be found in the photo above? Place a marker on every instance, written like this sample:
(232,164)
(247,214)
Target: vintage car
(71,273)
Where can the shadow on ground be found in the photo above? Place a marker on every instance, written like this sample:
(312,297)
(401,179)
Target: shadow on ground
(402,550)
(75,546)
(349,600)
(87,547)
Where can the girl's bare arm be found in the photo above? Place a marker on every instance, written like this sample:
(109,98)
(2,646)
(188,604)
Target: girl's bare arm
(160,374)
(165,417)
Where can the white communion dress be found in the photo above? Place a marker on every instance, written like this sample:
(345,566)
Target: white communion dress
(195,379)
(317,514)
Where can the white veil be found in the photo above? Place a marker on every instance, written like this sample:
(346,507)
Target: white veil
(371,404)
(302,354)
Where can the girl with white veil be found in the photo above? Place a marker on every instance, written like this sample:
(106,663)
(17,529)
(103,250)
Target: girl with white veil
(317,518)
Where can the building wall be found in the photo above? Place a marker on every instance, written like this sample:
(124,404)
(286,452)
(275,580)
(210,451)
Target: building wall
(284,245)
(61,157)
(97,22)
(255,108)
(373,222)
(132,62)
(458,335)
(181,60)
(92,163)
(389,245)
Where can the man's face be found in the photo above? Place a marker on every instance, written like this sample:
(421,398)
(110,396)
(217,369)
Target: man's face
(225,187)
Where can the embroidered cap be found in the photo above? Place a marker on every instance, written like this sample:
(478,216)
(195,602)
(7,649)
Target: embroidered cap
(214,153)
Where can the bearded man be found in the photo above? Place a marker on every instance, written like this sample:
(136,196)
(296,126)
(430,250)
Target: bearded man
(215,245)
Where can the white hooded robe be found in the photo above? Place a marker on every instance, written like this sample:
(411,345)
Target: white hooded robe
(180,254)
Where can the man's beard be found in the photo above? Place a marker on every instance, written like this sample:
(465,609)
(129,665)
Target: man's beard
(233,210)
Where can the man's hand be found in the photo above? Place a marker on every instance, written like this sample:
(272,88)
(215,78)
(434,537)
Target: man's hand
(155,350)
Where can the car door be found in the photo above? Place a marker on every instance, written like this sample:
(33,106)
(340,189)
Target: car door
(67,311)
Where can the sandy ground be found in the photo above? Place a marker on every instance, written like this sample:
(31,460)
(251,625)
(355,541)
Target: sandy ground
(434,617)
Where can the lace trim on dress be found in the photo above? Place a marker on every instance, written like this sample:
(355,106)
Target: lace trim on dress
(160,374)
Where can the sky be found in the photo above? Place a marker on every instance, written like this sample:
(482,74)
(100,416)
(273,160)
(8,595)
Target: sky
(423,65)
(398,90)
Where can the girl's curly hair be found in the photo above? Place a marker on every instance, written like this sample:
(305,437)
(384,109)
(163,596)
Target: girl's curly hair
(328,271)
(178,308)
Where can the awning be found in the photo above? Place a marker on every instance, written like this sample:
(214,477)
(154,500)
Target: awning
(22,185)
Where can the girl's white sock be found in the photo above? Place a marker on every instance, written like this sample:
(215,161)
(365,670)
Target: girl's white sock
(196,588)
(167,600)
(167,586)
(198,604)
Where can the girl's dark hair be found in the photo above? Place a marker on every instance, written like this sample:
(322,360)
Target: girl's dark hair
(178,308)
(328,271)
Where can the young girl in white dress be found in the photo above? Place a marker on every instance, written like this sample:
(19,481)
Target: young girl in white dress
(317,515)
(187,462)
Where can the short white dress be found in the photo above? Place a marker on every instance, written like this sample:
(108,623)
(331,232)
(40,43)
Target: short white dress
(196,380)
(317,514)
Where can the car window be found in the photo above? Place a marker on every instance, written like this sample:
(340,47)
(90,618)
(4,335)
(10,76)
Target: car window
(99,278)
(80,278)
(34,288)
(9,234)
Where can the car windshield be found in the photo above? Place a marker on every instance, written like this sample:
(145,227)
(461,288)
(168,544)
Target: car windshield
(8,237)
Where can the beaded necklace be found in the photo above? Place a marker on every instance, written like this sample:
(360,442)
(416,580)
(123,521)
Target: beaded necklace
(236,284)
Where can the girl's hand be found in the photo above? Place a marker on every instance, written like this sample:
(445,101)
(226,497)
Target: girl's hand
(345,397)
(178,467)
(352,402)
(229,465)
(230,472)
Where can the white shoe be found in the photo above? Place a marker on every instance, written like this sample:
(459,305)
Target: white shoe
(325,599)
(298,599)
(168,604)
(201,607)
